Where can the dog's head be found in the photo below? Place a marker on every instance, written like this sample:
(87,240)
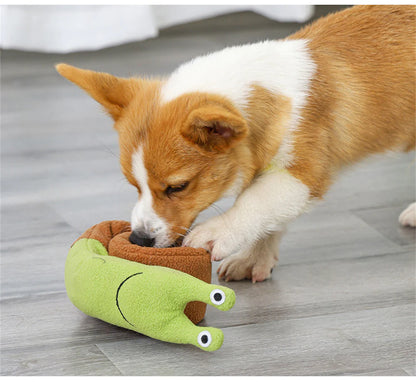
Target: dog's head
(181,155)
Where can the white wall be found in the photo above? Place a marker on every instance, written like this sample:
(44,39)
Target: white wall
(68,28)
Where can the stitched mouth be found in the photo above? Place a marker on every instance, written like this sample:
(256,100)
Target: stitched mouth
(117,294)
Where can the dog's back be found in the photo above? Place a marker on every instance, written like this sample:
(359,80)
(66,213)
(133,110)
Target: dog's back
(362,97)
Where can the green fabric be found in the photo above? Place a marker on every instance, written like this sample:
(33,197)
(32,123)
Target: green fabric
(144,298)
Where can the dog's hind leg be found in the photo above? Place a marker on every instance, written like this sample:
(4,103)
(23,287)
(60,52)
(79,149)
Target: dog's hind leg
(408,216)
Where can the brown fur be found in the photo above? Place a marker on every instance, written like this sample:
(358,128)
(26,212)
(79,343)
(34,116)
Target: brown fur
(362,101)
(176,139)
(169,156)
(268,116)
(210,170)
(112,92)
(363,95)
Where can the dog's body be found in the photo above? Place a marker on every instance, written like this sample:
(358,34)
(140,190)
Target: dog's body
(271,123)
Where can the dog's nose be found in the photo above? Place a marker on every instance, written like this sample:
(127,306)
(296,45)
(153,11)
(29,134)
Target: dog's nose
(140,238)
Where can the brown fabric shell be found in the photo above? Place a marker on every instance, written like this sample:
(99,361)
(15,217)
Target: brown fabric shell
(114,235)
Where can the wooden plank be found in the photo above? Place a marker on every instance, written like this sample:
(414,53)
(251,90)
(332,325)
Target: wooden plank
(321,287)
(385,221)
(326,235)
(298,293)
(49,360)
(323,345)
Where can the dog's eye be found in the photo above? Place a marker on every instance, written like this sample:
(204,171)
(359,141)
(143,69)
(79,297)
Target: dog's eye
(172,189)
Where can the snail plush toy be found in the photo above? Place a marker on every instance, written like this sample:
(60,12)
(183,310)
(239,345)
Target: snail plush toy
(137,288)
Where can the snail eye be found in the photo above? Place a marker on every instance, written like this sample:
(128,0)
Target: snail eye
(217,296)
(172,189)
(204,338)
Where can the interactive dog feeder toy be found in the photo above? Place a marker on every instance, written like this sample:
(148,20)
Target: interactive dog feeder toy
(159,292)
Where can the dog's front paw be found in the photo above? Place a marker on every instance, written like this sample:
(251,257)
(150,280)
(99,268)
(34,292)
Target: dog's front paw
(214,236)
(235,268)
(246,265)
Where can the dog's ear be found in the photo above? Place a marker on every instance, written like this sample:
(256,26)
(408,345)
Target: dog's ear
(112,92)
(214,128)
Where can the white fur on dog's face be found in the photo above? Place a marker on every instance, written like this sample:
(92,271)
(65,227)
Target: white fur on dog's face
(144,218)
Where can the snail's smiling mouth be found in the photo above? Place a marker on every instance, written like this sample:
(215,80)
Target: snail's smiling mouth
(118,291)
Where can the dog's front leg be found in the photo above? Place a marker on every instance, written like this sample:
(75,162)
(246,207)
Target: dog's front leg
(271,201)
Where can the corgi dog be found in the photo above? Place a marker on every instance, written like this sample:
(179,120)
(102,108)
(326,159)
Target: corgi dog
(271,123)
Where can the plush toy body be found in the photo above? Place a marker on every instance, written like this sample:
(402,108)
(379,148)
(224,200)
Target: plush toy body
(148,299)
(114,236)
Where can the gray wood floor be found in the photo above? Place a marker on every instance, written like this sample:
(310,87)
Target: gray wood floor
(342,300)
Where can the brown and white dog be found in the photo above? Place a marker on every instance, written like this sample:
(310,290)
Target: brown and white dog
(271,123)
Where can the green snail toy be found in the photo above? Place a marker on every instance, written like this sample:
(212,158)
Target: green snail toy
(145,298)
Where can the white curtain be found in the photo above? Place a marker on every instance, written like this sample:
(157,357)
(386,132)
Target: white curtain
(68,28)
